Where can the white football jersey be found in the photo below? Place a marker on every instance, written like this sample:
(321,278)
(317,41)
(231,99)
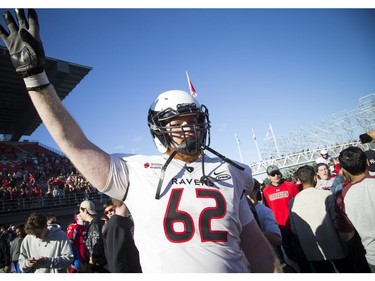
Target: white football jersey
(195,225)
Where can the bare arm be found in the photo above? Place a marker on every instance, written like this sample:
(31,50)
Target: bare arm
(258,251)
(89,159)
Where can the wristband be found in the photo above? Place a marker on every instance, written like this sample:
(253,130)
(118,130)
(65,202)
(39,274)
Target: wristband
(36,82)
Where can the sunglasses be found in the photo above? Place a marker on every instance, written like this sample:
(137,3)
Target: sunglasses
(109,211)
(275,173)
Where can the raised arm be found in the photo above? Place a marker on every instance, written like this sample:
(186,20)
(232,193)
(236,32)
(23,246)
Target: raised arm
(27,55)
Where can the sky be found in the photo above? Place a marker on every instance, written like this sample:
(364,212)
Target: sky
(249,66)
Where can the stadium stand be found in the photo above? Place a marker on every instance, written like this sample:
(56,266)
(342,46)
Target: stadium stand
(32,175)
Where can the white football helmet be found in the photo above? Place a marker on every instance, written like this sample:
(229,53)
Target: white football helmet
(172,104)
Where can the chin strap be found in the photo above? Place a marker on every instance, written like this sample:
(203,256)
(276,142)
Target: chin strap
(205,177)
(157,196)
(224,158)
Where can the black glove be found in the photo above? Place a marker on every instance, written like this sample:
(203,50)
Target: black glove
(25,47)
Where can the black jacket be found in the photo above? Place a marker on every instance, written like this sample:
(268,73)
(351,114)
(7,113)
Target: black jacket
(121,252)
(4,253)
(94,243)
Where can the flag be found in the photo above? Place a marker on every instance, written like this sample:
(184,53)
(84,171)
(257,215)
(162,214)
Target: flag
(269,131)
(191,87)
(254,136)
(237,139)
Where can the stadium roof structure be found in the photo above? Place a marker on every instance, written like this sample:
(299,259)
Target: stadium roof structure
(18,116)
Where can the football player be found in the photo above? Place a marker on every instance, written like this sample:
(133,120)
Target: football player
(189,209)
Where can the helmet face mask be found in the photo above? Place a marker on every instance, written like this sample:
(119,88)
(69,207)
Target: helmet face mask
(177,122)
(172,105)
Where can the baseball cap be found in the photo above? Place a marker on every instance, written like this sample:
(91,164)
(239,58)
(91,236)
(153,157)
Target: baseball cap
(323,151)
(89,206)
(272,168)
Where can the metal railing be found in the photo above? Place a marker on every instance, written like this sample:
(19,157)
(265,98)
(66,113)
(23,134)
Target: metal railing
(19,205)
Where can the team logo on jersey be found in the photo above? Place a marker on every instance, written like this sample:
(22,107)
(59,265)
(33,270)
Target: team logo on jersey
(152,165)
(221,176)
(189,169)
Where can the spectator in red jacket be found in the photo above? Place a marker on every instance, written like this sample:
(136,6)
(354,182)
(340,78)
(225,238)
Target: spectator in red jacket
(277,196)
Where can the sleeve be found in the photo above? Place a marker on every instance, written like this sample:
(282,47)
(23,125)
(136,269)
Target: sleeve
(253,211)
(244,183)
(291,214)
(337,184)
(118,236)
(330,205)
(244,178)
(247,176)
(246,216)
(15,248)
(64,260)
(249,184)
(97,243)
(24,256)
(344,225)
(6,252)
(71,232)
(118,180)
(269,223)
(265,197)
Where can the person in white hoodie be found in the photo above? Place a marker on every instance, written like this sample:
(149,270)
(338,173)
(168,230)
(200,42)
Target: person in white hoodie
(44,250)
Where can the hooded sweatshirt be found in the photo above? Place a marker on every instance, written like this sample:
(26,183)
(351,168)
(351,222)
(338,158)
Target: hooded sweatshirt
(55,247)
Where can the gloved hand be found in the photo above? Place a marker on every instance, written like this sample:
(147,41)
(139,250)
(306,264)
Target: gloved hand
(25,47)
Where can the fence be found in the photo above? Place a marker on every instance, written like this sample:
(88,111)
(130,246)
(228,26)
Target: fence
(12,206)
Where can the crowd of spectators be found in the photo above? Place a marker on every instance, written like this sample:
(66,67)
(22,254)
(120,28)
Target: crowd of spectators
(312,225)
(34,179)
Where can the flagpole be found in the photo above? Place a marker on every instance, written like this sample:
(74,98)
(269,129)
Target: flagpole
(274,140)
(256,144)
(188,79)
(238,145)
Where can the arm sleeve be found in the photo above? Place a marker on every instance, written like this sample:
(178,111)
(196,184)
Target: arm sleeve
(343,223)
(269,223)
(249,184)
(118,180)
(118,236)
(6,252)
(265,197)
(291,214)
(246,216)
(64,260)
(23,257)
(71,232)
(97,244)
(330,201)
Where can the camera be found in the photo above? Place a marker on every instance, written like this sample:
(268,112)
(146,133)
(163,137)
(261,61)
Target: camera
(365,138)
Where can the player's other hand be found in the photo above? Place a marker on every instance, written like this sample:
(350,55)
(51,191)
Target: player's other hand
(23,42)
